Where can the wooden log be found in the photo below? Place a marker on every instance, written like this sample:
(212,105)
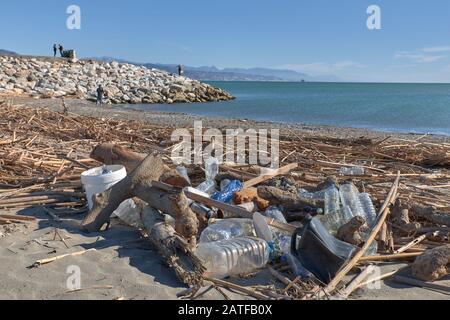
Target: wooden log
(238,288)
(139,184)
(110,154)
(421,284)
(136,182)
(290,201)
(352,286)
(391,257)
(174,250)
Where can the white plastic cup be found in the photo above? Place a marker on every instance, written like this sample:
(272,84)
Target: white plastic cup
(95,182)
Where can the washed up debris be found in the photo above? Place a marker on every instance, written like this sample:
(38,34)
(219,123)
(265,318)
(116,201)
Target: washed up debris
(39,263)
(41,166)
(433,265)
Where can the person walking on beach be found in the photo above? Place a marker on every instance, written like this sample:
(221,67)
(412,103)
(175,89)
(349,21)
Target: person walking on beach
(100,93)
(61,50)
(180,70)
(55,50)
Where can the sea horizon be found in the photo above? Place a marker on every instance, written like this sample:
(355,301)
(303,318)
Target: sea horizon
(419,108)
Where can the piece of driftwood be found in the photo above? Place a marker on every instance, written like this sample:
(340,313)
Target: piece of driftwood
(53,259)
(139,184)
(431,214)
(351,232)
(355,283)
(174,178)
(391,257)
(421,284)
(238,288)
(401,218)
(174,250)
(278,172)
(413,243)
(290,201)
(110,154)
(433,265)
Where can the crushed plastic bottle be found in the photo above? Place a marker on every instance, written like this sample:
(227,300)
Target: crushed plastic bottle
(228,229)
(224,184)
(227,194)
(318,195)
(211,168)
(129,213)
(233,257)
(209,187)
(276,213)
(352,171)
(274,237)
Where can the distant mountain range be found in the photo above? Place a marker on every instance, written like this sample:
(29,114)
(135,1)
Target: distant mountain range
(226,74)
(231,74)
(7,53)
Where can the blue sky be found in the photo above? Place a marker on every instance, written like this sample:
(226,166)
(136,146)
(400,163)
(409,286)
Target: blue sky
(318,37)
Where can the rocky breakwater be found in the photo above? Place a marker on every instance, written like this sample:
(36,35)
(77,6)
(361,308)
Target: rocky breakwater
(123,83)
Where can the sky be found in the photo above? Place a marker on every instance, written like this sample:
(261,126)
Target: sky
(317,37)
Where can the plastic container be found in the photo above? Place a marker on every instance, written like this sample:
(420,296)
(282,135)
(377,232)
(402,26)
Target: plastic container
(209,187)
(233,257)
(227,194)
(352,171)
(129,213)
(333,219)
(368,208)
(275,212)
(95,182)
(228,229)
(211,168)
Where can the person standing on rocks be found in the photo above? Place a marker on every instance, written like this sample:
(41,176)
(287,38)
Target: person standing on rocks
(55,50)
(180,70)
(100,93)
(61,50)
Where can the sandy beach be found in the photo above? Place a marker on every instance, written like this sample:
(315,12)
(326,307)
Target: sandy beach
(124,265)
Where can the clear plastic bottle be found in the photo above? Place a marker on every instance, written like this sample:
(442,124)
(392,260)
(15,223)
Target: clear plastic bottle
(228,229)
(333,214)
(352,171)
(211,168)
(129,213)
(209,187)
(350,202)
(318,195)
(276,213)
(368,208)
(233,257)
(224,184)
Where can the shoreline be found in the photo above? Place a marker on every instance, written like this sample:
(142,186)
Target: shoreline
(175,119)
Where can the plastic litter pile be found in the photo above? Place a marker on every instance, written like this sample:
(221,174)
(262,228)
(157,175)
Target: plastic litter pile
(338,208)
